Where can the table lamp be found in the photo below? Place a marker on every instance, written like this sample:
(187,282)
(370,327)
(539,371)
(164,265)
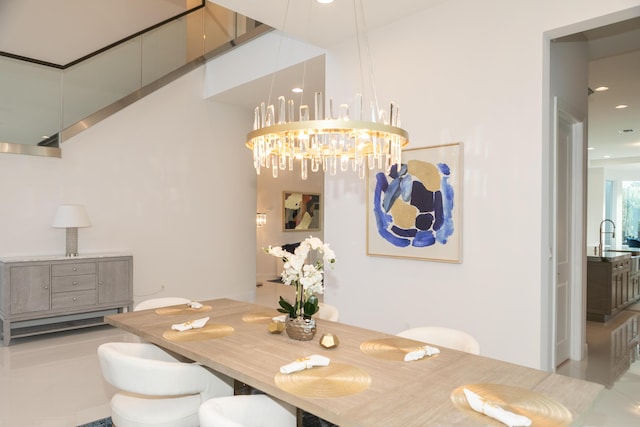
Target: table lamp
(71,217)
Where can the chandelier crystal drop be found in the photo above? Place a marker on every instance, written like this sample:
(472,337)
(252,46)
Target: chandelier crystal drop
(338,141)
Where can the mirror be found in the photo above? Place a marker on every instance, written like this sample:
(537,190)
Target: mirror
(300,211)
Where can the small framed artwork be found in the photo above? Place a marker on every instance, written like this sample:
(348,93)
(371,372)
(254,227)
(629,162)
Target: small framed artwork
(415,212)
(300,211)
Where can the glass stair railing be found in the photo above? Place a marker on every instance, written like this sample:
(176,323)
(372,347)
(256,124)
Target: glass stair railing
(43,104)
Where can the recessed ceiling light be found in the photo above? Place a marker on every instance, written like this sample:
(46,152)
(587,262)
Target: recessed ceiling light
(591,148)
(601,88)
(621,106)
(324,1)
(297,90)
(607,157)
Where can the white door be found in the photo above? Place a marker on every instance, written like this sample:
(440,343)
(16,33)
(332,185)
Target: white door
(563,220)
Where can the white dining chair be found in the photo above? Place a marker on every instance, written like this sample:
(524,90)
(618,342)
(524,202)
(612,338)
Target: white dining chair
(251,410)
(160,302)
(155,388)
(328,312)
(445,337)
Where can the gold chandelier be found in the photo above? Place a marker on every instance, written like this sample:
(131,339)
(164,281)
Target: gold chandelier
(327,142)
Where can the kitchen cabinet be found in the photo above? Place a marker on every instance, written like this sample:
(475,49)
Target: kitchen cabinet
(612,284)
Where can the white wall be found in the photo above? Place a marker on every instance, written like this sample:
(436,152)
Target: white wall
(257,58)
(471,72)
(460,71)
(168,179)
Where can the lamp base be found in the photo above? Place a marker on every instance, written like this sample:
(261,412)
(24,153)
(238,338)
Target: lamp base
(72,242)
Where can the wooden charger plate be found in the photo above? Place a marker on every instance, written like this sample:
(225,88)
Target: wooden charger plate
(392,348)
(540,409)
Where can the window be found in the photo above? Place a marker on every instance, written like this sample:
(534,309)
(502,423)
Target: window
(630,210)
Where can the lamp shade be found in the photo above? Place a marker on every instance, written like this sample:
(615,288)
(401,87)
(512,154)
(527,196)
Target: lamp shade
(71,216)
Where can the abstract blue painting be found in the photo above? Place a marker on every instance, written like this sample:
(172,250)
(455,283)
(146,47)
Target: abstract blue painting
(414,210)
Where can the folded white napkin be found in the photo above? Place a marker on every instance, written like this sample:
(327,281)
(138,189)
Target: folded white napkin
(194,304)
(191,324)
(421,352)
(492,410)
(282,318)
(305,363)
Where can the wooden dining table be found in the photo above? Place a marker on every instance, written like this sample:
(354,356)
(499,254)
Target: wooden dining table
(367,382)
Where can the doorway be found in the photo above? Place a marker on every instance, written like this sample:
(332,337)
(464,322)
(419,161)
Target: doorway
(567,292)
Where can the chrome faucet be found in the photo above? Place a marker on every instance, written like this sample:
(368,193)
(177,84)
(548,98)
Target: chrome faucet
(603,232)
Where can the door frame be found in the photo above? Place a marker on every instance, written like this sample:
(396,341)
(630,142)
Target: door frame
(577,234)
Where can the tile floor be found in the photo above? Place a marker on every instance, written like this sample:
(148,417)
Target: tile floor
(55,380)
(614,361)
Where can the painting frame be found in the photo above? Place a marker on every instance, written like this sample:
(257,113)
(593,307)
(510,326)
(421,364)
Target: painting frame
(301,211)
(396,227)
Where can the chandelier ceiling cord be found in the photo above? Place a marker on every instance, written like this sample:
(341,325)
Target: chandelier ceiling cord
(344,140)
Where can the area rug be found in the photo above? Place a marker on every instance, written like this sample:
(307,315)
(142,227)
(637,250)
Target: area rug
(105,422)
(308,420)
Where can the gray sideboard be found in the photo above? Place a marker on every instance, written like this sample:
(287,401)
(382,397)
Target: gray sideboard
(48,294)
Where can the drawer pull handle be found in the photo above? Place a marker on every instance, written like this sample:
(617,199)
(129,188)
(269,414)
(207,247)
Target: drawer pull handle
(75,269)
(46,286)
(75,283)
(75,299)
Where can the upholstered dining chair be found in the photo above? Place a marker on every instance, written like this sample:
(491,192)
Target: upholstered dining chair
(250,410)
(328,312)
(160,302)
(446,337)
(149,304)
(155,388)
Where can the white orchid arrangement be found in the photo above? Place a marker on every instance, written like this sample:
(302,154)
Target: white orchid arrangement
(308,278)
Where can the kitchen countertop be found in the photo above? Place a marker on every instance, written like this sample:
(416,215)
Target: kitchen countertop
(615,254)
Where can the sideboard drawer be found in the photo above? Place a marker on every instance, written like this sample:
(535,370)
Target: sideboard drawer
(73,283)
(73,268)
(72,299)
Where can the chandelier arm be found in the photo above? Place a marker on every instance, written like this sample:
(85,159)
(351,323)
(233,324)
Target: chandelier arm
(304,64)
(358,44)
(273,76)
(361,30)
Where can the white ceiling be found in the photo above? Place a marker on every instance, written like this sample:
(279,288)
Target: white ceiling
(615,62)
(61,31)
(322,24)
(83,26)
(615,132)
(318,24)
(614,53)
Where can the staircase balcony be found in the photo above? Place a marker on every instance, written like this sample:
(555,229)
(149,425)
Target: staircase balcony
(43,104)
